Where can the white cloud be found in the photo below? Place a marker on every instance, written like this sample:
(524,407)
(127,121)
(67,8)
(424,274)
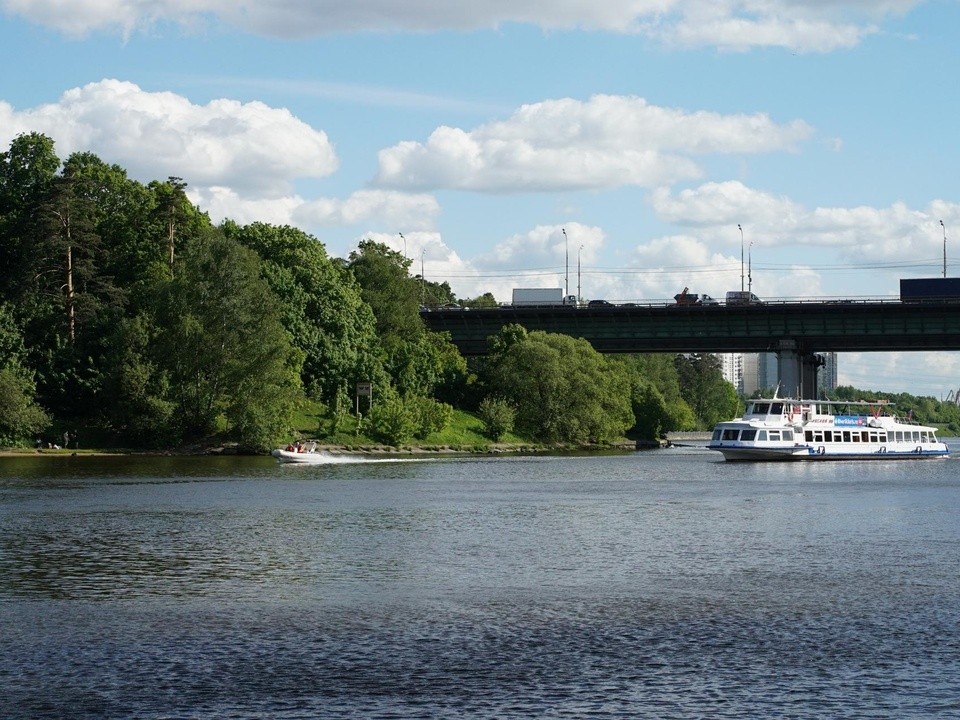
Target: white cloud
(545,245)
(567,144)
(391,209)
(861,235)
(388,209)
(249,147)
(729,24)
(221,203)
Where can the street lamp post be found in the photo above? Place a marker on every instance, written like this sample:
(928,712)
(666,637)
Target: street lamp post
(566,240)
(750,266)
(404,245)
(741,256)
(944,248)
(423,279)
(578,272)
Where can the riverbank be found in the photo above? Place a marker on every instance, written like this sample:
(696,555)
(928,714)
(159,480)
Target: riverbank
(343,449)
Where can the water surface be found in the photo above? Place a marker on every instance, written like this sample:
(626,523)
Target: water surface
(664,584)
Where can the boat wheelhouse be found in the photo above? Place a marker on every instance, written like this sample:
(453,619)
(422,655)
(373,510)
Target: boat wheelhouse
(785,429)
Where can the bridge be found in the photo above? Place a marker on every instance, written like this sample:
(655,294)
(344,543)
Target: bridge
(795,330)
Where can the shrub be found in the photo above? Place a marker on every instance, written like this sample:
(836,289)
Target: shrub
(497,416)
(392,421)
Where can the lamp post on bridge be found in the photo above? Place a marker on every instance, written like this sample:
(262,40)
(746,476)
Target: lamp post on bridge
(578,273)
(944,249)
(741,256)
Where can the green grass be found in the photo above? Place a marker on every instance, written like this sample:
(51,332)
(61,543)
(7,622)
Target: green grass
(465,431)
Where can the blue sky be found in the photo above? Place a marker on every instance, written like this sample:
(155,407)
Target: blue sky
(647,129)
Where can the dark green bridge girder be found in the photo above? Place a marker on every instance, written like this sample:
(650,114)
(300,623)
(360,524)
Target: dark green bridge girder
(808,327)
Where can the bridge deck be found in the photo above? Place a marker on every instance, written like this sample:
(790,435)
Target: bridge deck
(813,326)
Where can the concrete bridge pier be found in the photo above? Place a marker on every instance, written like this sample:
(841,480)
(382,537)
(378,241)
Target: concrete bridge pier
(797,370)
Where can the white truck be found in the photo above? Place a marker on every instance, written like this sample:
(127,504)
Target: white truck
(543,296)
(742,297)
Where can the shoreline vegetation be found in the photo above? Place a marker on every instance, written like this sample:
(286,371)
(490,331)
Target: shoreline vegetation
(422,449)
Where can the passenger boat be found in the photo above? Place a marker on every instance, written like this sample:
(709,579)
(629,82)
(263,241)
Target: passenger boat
(785,429)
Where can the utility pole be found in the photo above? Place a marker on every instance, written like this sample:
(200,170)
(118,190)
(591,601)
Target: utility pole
(749,267)
(566,287)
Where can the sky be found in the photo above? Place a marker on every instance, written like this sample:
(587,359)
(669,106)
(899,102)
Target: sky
(622,149)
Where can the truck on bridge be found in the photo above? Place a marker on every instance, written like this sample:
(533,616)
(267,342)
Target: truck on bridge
(920,289)
(685,297)
(543,296)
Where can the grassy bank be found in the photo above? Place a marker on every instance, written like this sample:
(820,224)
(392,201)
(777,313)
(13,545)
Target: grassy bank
(464,434)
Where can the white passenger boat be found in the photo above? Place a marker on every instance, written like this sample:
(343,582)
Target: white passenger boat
(784,429)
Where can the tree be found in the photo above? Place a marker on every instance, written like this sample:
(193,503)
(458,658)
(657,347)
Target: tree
(487,300)
(174,221)
(702,386)
(658,405)
(418,362)
(321,307)
(230,363)
(564,390)
(135,404)
(386,286)
(20,417)
(27,170)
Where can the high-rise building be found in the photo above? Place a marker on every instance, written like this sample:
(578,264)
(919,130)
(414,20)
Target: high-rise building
(827,375)
(759,372)
(731,365)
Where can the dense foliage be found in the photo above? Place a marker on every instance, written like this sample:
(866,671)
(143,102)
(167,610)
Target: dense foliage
(128,318)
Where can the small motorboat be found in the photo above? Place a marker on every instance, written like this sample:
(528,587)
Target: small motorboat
(298,453)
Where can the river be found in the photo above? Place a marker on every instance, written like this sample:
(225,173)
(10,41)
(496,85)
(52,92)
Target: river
(659,584)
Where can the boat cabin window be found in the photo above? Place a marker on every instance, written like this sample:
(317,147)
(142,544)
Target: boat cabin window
(716,434)
(774,435)
(761,408)
(788,435)
(776,408)
(846,436)
(761,434)
(748,435)
(730,434)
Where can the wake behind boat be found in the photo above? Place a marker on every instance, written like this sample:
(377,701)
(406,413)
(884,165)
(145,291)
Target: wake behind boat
(785,429)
